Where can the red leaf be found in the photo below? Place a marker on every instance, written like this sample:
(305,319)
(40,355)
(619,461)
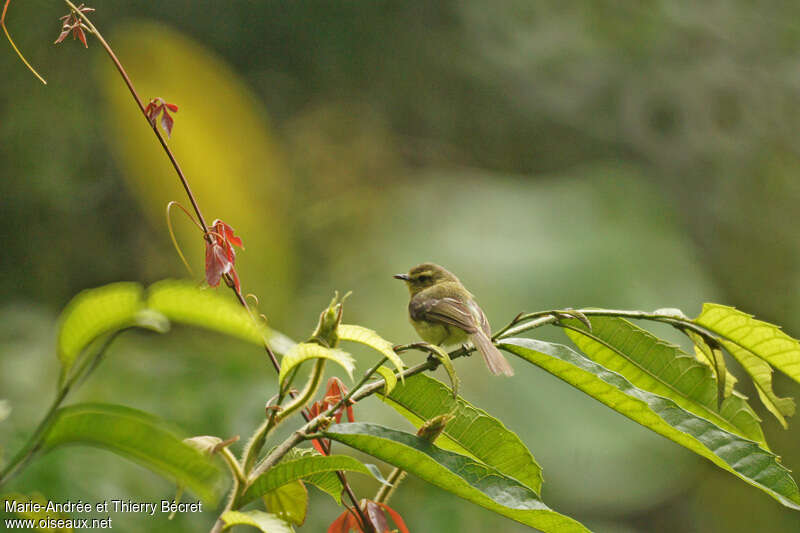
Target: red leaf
(167,122)
(227,232)
(81,35)
(235,277)
(345,523)
(314,410)
(396,518)
(376,517)
(335,392)
(62,36)
(157,106)
(318,446)
(217,264)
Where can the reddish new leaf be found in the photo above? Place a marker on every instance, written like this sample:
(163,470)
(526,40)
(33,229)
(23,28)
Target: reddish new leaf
(157,106)
(376,517)
(72,23)
(217,264)
(81,36)
(346,522)
(396,518)
(167,122)
(220,256)
(321,445)
(334,394)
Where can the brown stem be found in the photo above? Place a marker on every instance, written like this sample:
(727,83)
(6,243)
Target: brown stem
(195,206)
(135,95)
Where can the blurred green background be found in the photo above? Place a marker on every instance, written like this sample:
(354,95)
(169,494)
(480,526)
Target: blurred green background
(552,154)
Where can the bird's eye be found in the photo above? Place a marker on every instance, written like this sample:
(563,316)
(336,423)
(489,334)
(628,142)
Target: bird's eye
(425,278)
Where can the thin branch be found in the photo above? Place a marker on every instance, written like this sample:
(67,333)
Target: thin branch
(135,95)
(14,46)
(541,318)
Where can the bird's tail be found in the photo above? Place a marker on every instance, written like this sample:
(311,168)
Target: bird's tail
(494,359)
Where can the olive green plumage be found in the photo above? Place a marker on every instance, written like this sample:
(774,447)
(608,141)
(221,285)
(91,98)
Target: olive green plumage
(445,313)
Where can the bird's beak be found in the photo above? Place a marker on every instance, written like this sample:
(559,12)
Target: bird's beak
(404,277)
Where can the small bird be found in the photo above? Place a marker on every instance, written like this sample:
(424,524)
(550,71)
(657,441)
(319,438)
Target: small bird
(445,313)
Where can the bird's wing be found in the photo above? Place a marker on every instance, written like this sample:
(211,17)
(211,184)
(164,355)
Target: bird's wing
(482,320)
(445,311)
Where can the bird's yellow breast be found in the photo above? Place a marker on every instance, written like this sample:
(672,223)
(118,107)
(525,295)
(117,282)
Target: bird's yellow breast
(439,334)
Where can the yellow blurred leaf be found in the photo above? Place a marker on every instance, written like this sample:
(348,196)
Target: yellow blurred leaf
(222,141)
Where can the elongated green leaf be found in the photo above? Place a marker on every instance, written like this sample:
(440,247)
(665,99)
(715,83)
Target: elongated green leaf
(735,406)
(137,436)
(659,367)
(368,337)
(713,357)
(740,456)
(460,475)
(184,302)
(761,374)
(266,522)
(301,468)
(447,363)
(305,351)
(753,344)
(390,380)
(327,482)
(288,502)
(473,432)
(763,339)
(95,312)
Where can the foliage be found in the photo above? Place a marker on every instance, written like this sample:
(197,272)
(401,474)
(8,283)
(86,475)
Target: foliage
(688,398)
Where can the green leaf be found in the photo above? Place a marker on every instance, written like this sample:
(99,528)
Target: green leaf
(300,468)
(304,351)
(460,475)
(95,312)
(473,432)
(137,436)
(288,502)
(765,340)
(266,522)
(184,302)
(761,374)
(447,363)
(327,482)
(713,357)
(205,444)
(740,456)
(735,406)
(349,332)
(659,367)
(752,343)
(390,380)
